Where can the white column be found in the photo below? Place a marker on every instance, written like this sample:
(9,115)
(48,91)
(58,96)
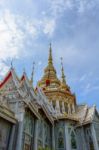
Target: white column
(69,109)
(53,138)
(12,138)
(20,132)
(36,135)
(96,147)
(63,108)
(19,137)
(57,106)
(51,103)
(67,138)
(73,108)
(43,136)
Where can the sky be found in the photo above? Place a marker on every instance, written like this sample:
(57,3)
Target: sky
(72,26)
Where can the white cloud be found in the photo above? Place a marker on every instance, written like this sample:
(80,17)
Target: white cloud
(49,26)
(14,30)
(40,63)
(90,88)
(2,2)
(83,78)
(58,6)
(3,68)
(11,38)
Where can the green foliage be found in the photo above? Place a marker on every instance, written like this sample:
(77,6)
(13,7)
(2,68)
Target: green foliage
(46,148)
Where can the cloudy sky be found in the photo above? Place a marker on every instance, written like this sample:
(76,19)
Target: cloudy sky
(72,26)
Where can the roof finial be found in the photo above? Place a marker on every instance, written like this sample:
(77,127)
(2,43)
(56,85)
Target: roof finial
(62,70)
(50,60)
(32,74)
(11,64)
(24,72)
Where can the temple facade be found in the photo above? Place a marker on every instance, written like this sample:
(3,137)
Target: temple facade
(46,117)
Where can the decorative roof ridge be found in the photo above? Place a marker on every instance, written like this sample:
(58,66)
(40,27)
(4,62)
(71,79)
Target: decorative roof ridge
(27,81)
(10,73)
(86,111)
(67,117)
(45,101)
(94,109)
(83,104)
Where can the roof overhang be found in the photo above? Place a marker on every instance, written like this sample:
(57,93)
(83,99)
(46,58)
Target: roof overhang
(7,114)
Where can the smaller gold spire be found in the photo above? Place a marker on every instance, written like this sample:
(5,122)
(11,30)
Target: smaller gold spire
(62,70)
(32,74)
(50,59)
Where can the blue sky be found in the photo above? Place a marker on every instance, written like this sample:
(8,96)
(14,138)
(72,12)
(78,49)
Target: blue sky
(72,26)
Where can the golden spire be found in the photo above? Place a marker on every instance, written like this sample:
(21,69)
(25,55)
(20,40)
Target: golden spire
(32,74)
(50,59)
(50,75)
(62,70)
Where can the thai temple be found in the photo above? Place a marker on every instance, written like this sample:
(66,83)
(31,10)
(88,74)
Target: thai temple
(46,117)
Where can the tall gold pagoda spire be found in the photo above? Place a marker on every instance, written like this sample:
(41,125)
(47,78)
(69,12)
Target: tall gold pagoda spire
(50,59)
(50,76)
(62,71)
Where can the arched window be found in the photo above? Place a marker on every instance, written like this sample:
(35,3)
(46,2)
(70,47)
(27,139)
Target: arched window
(91,145)
(60,138)
(66,107)
(73,141)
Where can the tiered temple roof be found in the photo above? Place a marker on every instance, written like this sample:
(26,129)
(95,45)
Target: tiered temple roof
(49,89)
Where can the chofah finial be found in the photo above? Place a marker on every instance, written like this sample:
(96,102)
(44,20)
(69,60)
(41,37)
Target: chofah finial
(62,72)
(32,74)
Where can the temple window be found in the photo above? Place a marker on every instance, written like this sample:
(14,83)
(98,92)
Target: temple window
(91,145)
(46,135)
(61,139)
(28,130)
(73,141)
(66,107)
(40,133)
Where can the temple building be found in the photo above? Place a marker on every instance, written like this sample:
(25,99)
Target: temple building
(46,117)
